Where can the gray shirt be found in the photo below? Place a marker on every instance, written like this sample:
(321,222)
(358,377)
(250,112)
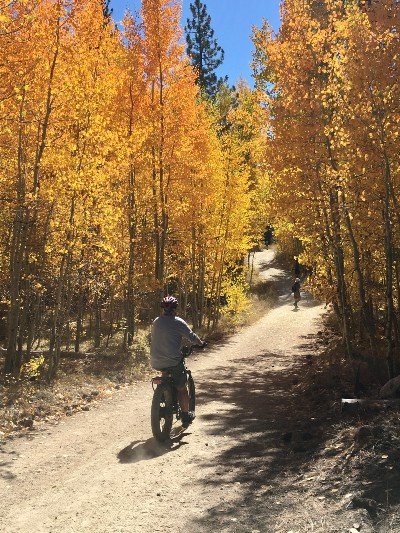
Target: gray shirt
(166,340)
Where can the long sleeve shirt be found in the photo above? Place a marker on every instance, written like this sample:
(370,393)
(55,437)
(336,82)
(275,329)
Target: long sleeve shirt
(167,333)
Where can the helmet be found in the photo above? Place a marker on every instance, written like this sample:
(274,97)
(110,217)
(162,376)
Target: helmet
(169,302)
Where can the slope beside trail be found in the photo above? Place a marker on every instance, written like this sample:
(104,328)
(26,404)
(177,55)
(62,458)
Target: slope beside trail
(101,470)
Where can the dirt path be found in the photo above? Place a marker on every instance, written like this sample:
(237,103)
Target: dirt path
(101,472)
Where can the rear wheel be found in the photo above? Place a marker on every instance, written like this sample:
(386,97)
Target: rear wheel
(162,413)
(192,394)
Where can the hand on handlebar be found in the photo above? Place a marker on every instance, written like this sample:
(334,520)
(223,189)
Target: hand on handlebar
(186,351)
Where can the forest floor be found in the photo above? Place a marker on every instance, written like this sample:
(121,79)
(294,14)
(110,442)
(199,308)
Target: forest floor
(270,450)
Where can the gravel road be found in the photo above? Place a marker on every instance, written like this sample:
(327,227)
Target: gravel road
(100,471)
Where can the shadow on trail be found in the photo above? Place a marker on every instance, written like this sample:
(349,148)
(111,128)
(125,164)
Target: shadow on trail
(274,431)
(150,449)
(5,470)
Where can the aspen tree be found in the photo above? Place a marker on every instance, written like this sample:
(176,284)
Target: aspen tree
(117,183)
(89,151)
(29,110)
(329,77)
(133,120)
(163,54)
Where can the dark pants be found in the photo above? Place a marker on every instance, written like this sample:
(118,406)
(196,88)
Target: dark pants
(178,374)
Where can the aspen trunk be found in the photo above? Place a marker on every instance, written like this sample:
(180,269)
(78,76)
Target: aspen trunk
(23,319)
(18,242)
(158,185)
(327,239)
(224,228)
(67,313)
(57,319)
(97,322)
(202,269)
(339,254)
(389,254)
(218,289)
(79,323)
(194,291)
(397,270)
(130,302)
(366,318)
(111,319)
(32,327)
(340,273)
(56,323)
(161,186)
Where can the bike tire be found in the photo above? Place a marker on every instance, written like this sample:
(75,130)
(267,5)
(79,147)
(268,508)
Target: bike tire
(192,394)
(161,410)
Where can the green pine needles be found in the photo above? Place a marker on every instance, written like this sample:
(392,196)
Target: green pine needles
(203,49)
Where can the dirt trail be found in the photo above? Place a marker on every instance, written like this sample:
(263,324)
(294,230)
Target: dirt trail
(101,470)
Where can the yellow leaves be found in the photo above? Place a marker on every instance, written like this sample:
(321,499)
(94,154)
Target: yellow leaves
(334,121)
(99,177)
(32,368)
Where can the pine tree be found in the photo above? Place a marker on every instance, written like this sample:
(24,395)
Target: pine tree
(202,47)
(107,10)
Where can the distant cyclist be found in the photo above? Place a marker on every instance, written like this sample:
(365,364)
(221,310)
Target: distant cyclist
(167,333)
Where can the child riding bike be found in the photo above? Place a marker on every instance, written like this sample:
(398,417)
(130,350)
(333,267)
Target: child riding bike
(167,333)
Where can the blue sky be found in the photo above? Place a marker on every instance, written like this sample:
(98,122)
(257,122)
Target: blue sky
(232,21)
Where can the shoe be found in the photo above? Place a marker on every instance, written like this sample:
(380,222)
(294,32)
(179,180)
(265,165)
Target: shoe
(187,419)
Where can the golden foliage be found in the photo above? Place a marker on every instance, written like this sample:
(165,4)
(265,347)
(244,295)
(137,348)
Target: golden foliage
(116,184)
(330,79)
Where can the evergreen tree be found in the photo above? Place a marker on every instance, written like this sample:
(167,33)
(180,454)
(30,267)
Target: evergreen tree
(202,47)
(107,10)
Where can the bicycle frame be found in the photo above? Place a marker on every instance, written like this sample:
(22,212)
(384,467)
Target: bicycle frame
(165,403)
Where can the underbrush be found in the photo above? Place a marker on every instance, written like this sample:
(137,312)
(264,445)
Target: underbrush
(81,382)
(342,464)
(258,300)
(362,452)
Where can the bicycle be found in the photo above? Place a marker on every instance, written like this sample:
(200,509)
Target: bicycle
(165,405)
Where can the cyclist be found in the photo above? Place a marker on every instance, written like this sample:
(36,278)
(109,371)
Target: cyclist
(166,338)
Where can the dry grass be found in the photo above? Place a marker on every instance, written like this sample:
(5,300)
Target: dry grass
(80,383)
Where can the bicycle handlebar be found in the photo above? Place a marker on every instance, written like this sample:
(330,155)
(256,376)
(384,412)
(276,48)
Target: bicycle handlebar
(188,350)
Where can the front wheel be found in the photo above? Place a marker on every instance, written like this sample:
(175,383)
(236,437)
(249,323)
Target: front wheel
(162,413)
(192,394)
